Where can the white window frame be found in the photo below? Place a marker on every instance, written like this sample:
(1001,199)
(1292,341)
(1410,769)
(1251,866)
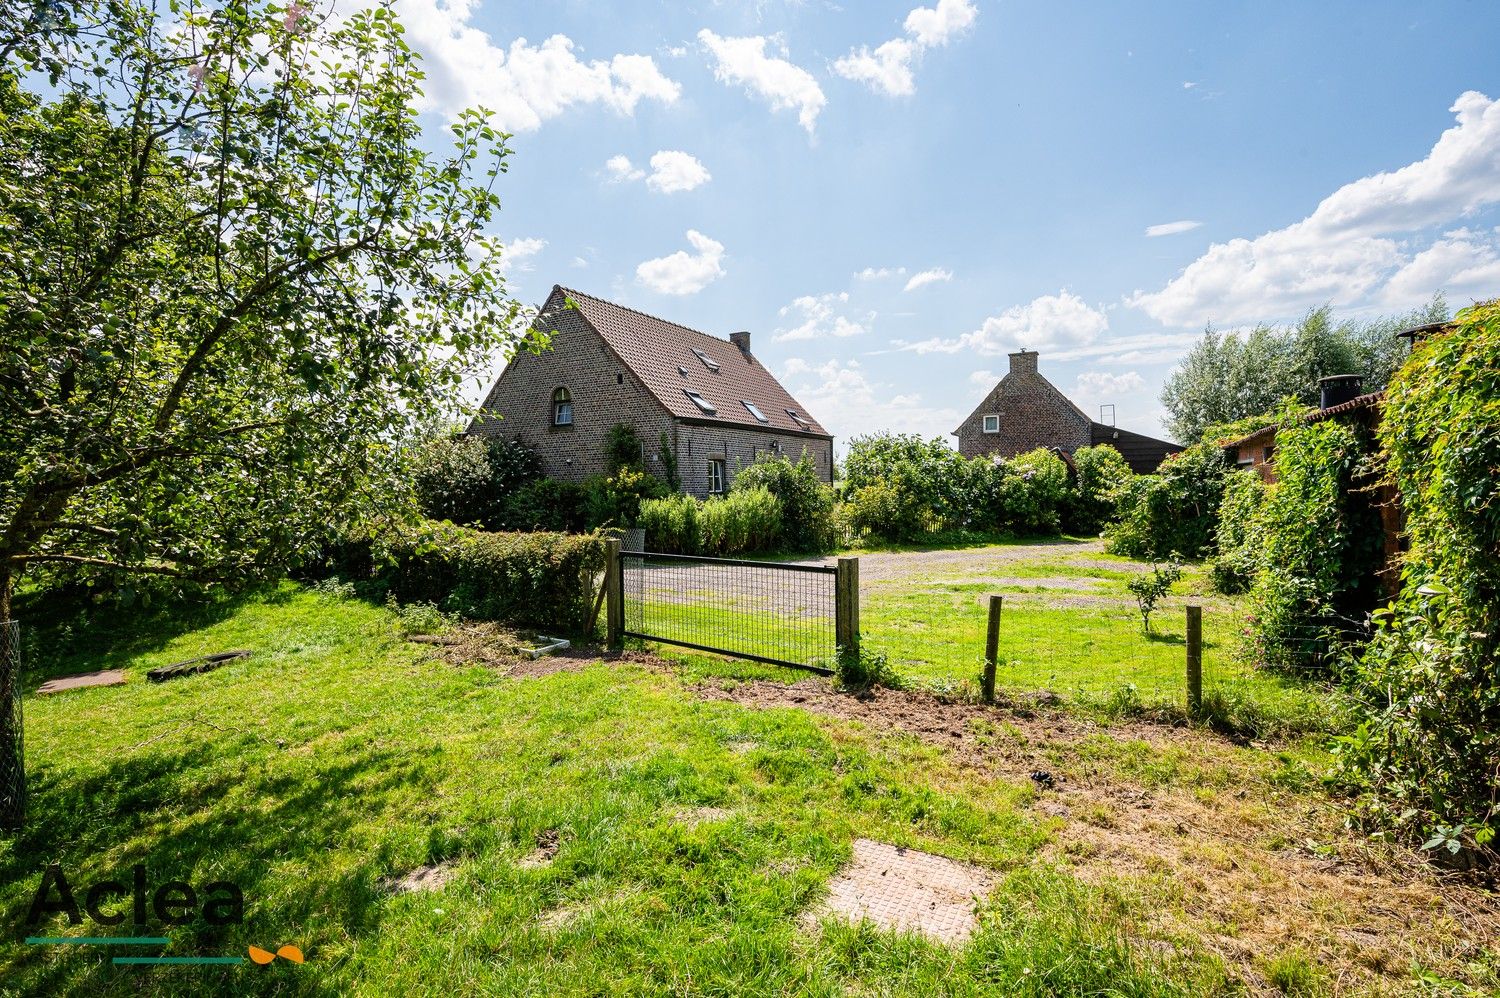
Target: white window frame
(992,423)
(562,406)
(716,476)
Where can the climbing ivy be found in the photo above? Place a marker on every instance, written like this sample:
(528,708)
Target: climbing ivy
(1426,759)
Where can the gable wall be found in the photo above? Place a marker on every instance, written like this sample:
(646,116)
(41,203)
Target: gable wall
(1032,414)
(604,393)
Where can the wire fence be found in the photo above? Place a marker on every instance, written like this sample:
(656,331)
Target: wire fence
(1086,650)
(12,749)
(765,611)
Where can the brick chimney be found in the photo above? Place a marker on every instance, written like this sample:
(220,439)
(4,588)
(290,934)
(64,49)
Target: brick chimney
(1023,362)
(741,339)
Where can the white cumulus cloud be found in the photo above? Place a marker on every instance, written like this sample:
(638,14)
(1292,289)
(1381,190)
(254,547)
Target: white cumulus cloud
(522,85)
(932,26)
(926,277)
(887,68)
(1059,320)
(673,170)
(620,169)
(684,273)
(879,273)
(517,253)
(1171,228)
(780,83)
(1465,265)
(848,403)
(1357,245)
(816,317)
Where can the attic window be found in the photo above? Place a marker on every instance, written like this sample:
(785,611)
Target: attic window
(755,412)
(992,424)
(700,402)
(799,419)
(682,370)
(708,361)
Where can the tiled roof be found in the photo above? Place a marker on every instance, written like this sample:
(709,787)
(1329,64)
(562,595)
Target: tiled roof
(1367,401)
(659,352)
(1358,402)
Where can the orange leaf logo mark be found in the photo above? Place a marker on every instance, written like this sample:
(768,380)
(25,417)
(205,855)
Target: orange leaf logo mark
(287,952)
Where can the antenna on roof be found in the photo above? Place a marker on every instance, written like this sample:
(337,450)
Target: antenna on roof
(1110,421)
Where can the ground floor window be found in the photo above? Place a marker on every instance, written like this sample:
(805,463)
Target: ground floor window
(715,475)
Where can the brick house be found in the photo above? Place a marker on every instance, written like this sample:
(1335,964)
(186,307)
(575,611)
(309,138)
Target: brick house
(719,408)
(1026,411)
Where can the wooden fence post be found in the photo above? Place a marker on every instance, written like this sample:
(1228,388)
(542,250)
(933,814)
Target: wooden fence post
(614,613)
(992,647)
(846,606)
(1194,660)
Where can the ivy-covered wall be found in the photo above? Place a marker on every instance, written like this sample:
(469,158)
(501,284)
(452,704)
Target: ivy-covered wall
(1426,759)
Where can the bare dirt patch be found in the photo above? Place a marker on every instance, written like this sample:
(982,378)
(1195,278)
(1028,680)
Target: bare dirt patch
(431,877)
(908,891)
(496,647)
(83,680)
(1247,869)
(691,817)
(547,844)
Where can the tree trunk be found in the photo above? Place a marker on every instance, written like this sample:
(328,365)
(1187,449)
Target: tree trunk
(12,763)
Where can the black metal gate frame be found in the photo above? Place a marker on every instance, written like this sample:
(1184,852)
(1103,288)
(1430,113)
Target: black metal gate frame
(727,563)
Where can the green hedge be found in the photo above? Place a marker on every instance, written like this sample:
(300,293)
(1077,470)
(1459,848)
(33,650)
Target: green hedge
(539,579)
(1174,511)
(745,520)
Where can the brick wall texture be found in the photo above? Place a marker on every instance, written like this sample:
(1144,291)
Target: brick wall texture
(605,392)
(1032,413)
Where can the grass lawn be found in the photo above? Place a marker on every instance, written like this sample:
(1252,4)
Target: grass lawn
(1069,625)
(608,829)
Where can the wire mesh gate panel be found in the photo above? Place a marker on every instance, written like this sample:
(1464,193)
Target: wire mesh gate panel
(785,614)
(12,758)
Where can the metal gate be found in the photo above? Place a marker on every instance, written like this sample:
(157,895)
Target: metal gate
(779,612)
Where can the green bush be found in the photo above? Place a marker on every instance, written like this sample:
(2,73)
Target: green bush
(1033,491)
(615,500)
(469,479)
(929,471)
(900,488)
(671,524)
(545,504)
(748,520)
(1102,476)
(1320,540)
(539,579)
(806,502)
(888,509)
(1236,538)
(861,670)
(1424,758)
(1174,510)
(622,449)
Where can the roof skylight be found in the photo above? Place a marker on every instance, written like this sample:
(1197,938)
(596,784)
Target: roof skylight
(700,402)
(799,419)
(755,412)
(708,361)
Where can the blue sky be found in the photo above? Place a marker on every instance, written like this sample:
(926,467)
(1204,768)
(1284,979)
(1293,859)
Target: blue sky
(891,196)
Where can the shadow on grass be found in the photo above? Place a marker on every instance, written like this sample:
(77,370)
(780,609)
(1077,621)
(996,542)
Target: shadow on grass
(94,825)
(69,631)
